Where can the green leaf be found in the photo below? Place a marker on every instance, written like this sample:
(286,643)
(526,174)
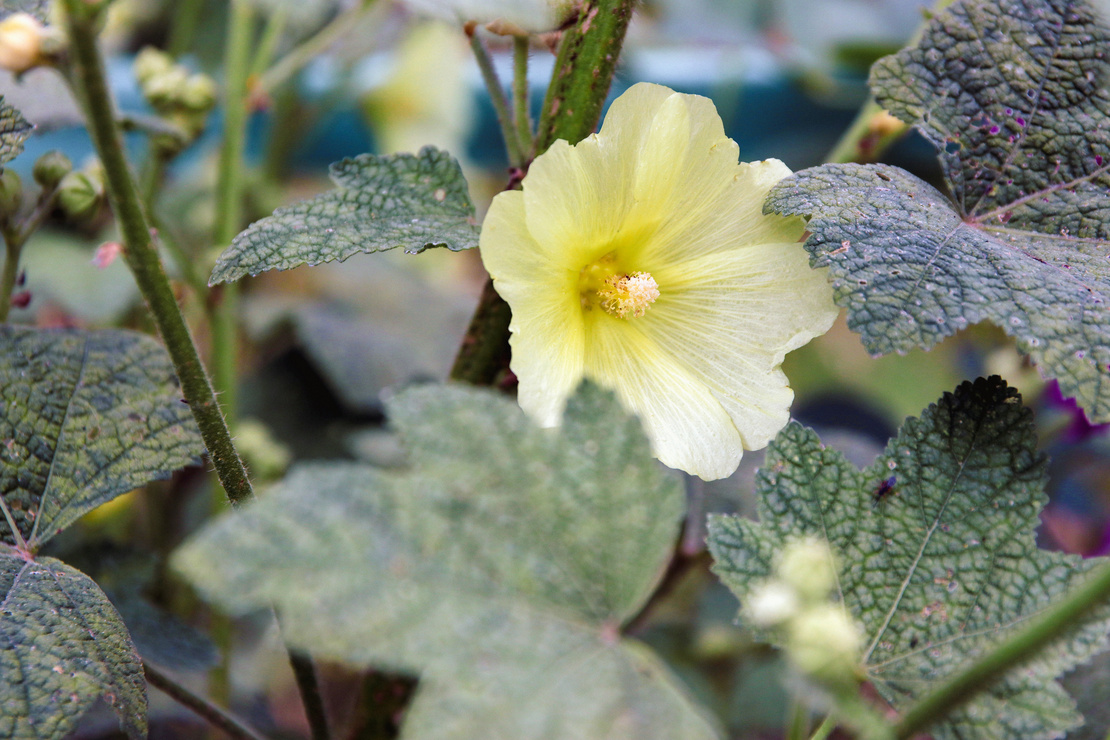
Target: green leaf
(402,200)
(1012,94)
(38,8)
(501,566)
(14,130)
(84,417)
(62,646)
(940,568)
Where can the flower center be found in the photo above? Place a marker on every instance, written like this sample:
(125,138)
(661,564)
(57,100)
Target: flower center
(622,295)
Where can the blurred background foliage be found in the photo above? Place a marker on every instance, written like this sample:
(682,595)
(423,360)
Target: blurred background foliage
(321,345)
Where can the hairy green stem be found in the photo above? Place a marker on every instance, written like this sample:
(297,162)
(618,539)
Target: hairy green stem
(90,86)
(214,715)
(497,97)
(308,50)
(11,273)
(1058,620)
(309,686)
(583,74)
(522,115)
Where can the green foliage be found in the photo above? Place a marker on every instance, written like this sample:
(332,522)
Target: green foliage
(938,566)
(38,8)
(501,566)
(412,201)
(62,646)
(14,130)
(1012,95)
(86,417)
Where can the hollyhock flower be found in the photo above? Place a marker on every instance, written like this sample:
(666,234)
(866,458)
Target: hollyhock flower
(640,258)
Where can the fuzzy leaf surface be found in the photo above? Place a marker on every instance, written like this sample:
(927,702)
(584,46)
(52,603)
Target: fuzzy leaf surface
(409,201)
(14,130)
(62,647)
(942,567)
(501,567)
(84,417)
(1013,94)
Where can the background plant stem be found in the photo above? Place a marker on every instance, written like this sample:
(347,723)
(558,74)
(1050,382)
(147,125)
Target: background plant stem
(497,97)
(522,114)
(214,715)
(90,86)
(583,74)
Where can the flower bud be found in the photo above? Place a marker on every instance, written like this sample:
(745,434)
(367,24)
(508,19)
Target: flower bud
(772,603)
(198,94)
(11,193)
(50,168)
(21,39)
(163,89)
(808,566)
(80,194)
(824,643)
(149,63)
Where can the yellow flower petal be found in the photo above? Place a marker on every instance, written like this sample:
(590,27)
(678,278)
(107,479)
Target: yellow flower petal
(657,200)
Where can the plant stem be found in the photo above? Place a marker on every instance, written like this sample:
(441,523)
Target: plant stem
(214,715)
(824,730)
(267,45)
(183,29)
(1063,617)
(497,97)
(91,88)
(309,49)
(15,236)
(522,114)
(864,141)
(11,273)
(797,723)
(583,73)
(305,674)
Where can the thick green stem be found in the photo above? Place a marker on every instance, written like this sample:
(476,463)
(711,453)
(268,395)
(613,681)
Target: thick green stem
(522,115)
(1060,619)
(214,715)
(583,74)
(497,97)
(91,88)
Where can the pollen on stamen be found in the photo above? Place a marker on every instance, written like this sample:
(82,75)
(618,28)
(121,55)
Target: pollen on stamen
(628,296)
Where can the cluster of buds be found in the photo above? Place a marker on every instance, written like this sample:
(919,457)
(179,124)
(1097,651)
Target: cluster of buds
(81,192)
(796,606)
(49,171)
(181,98)
(25,43)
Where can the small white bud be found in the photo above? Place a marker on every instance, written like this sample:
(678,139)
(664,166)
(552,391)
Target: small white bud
(824,643)
(772,603)
(808,565)
(21,39)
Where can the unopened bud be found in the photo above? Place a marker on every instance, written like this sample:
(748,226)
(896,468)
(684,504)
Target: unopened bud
(50,168)
(11,193)
(198,94)
(149,63)
(807,565)
(80,195)
(21,39)
(163,89)
(824,642)
(771,603)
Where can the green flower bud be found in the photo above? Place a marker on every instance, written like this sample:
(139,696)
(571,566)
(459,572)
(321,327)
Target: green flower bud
(808,566)
(50,168)
(11,193)
(149,63)
(163,90)
(80,194)
(198,95)
(824,643)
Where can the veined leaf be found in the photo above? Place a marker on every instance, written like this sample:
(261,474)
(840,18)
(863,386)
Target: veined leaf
(38,8)
(14,130)
(938,569)
(84,417)
(62,647)
(381,202)
(501,567)
(1013,95)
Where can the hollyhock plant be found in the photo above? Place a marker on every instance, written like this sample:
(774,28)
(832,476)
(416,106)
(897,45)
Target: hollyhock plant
(641,258)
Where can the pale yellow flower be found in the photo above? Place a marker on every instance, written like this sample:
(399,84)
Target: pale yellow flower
(640,258)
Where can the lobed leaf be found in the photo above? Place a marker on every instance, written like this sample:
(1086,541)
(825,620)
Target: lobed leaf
(1013,95)
(62,647)
(381,202)
(14,130)
(501,566)
(939,569)
(84,417)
